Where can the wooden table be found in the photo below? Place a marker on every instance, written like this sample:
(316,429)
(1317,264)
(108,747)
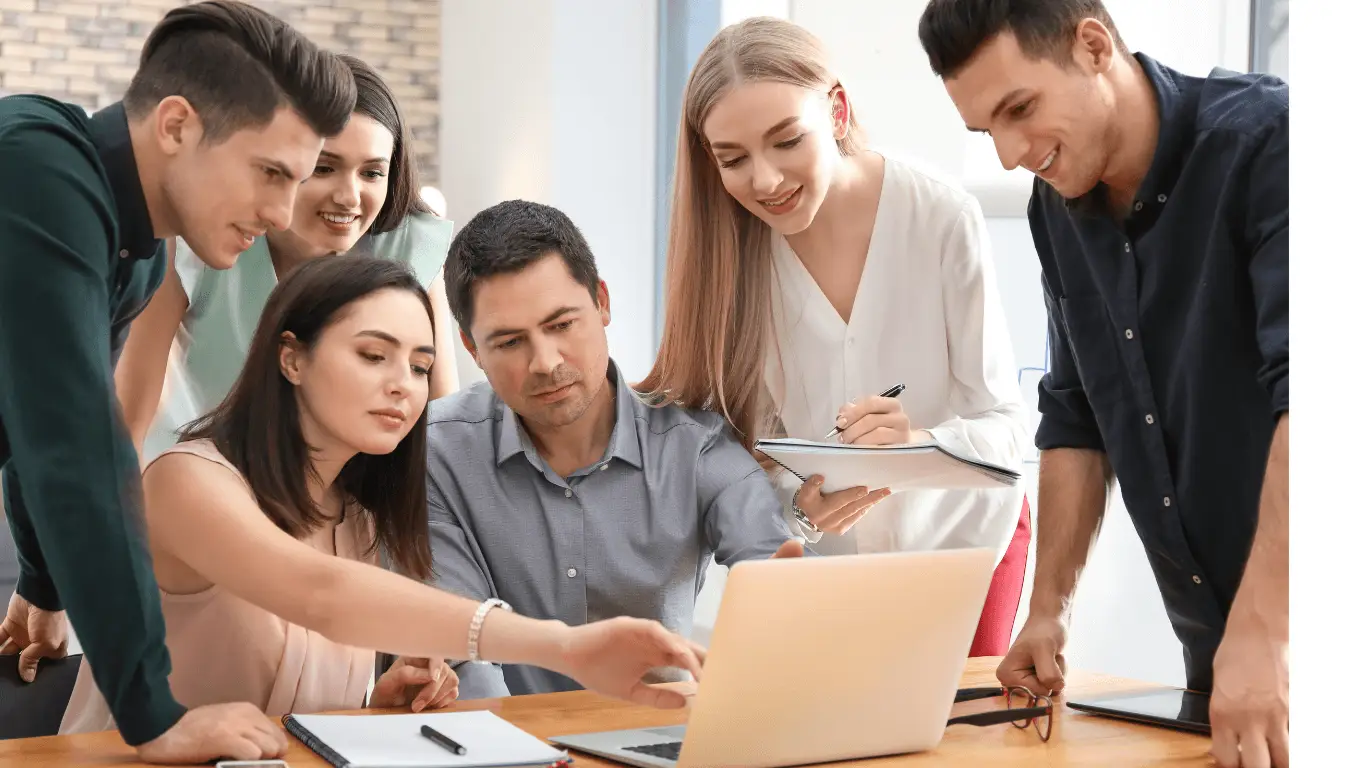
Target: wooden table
(1078,739)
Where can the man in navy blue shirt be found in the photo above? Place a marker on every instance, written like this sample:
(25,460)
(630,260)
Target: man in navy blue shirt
(1160,214)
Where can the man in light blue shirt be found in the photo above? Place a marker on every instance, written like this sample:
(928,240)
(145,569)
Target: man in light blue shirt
(553,486)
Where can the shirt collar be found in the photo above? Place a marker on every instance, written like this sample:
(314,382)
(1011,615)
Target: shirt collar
(1176,106)
(109,133)
(624,443)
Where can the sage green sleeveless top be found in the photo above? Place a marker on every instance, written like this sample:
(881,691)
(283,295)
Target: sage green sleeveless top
(226,305)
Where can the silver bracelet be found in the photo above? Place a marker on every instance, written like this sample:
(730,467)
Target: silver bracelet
(477,624)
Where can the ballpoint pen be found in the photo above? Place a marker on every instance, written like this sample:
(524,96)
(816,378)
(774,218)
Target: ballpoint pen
(442,739)
(893,392)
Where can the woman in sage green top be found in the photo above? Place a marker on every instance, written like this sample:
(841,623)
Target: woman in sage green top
(362,198)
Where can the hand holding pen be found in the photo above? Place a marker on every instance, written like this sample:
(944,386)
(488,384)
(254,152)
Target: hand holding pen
(876,420)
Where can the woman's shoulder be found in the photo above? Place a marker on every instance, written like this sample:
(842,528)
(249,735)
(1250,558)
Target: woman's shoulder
(421,240)
(924,187)
(192,460)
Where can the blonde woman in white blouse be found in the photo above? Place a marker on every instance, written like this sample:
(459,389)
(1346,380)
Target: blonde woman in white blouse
(807,273)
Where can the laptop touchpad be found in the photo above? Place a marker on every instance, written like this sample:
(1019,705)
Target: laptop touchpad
(671,732)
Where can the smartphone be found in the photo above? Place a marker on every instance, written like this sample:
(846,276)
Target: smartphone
(251,764)
(1171,708)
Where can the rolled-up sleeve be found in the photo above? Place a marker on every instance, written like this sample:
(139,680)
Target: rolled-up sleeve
(743,516)
(458,572)
(1268,231)
(72,494)
(1065,416)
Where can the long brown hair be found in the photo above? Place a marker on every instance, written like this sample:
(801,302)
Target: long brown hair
(375,100)
(717,321)
(257,429)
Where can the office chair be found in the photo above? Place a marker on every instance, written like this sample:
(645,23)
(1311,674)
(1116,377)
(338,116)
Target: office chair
(35,709)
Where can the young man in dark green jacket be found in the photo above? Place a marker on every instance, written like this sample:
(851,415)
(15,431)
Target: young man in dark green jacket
(224,118)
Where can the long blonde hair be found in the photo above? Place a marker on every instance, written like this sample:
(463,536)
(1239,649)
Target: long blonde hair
(717,321)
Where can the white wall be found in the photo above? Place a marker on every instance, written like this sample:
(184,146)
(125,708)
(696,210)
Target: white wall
(543,101)
(905,109)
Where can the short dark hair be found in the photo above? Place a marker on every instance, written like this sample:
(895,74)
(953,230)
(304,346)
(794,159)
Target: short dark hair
(375,100)
(257,428)
(510,237)
(951,31)
(237,65)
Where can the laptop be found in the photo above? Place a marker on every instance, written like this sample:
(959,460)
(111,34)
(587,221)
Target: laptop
(818,659)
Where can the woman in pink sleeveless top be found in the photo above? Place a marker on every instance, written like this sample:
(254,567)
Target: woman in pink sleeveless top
(265,522)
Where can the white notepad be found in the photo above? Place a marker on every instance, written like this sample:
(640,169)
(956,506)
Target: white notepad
(897,467)
(395,741)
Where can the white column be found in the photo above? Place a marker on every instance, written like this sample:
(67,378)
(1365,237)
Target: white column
(542,101)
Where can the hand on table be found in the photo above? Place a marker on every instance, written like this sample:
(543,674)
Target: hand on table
(1035,660)
(217,732)
(33,634)
(421,683)
(1250,706)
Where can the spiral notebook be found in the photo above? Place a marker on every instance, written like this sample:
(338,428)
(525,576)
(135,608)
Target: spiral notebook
(896,467)
(395,741)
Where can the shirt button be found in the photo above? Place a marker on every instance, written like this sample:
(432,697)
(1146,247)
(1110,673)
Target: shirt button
(568,493)
(1128,333)
(1166,501)
(851,341)
(1196,579)
(572,572)
(1126,247)
(603,468)
(1161,198)
(123,253)
(1148,418)
(1138,206)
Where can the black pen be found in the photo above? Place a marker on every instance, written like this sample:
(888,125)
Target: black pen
(442,739)
(893,392)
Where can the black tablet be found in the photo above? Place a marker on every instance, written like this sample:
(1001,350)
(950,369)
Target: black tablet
(1173,708)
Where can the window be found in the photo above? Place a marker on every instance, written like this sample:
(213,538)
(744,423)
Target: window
(1271,37)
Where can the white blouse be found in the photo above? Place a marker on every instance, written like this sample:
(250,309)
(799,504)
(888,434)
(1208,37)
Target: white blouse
(927,314)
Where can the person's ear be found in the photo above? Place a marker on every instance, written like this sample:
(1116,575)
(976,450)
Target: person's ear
(176,125)
(1094,48)
(840,116)
(291,358)
(604,303)
(469,347)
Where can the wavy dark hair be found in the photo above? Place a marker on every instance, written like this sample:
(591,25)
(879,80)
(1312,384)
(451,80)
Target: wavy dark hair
(375,100)
(257,427)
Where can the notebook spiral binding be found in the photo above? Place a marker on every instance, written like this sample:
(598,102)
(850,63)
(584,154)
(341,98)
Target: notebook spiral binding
(771,458)
(312,742)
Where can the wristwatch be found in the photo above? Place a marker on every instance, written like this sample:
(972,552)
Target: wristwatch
(802,519)
(477,625)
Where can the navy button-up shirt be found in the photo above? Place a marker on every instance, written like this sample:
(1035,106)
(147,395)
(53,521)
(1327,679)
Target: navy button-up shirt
(1169,335)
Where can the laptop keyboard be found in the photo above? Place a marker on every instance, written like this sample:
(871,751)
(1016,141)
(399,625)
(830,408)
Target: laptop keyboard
(668,751)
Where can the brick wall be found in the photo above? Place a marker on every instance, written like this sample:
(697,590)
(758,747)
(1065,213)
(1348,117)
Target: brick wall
(85,51)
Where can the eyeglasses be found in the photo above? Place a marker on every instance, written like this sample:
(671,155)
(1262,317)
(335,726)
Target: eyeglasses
(1023,708)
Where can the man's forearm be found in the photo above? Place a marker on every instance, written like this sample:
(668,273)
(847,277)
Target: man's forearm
(1264,594)
(1073,488)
